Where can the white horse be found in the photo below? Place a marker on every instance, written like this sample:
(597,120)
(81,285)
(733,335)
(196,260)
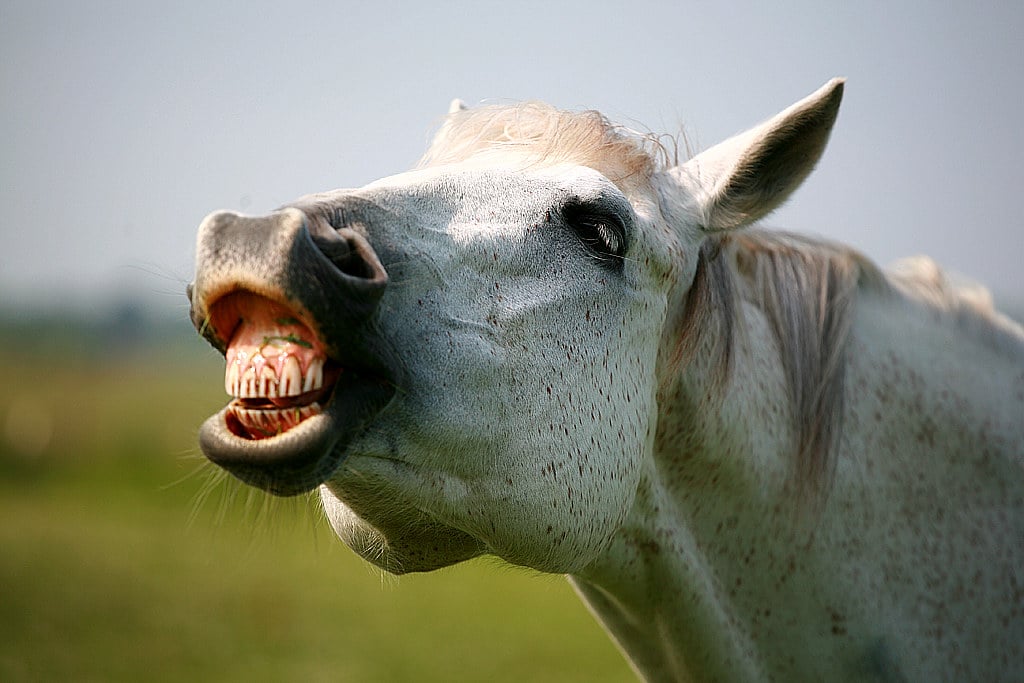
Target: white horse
(757,456)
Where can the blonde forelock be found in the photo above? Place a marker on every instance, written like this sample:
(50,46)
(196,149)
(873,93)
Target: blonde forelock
(535,133)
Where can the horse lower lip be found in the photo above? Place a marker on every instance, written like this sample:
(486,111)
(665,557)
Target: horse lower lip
(292,462)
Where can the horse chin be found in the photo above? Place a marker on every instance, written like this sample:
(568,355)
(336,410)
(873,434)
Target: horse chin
(399,542)
(305,455)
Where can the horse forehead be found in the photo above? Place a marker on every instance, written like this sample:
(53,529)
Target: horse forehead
(491,194)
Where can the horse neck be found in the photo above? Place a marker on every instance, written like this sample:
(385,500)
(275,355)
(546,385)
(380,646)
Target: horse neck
(689,575)
(658,588)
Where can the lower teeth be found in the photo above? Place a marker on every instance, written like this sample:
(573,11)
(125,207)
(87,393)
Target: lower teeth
(261,423)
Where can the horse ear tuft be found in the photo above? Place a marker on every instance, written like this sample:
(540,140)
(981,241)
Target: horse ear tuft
(746,177)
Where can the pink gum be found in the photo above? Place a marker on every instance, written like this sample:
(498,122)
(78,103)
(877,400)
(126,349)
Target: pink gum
(268,334)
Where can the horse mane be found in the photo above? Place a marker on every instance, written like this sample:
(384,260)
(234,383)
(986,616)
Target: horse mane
(541,134)
(807,290)
(964,303)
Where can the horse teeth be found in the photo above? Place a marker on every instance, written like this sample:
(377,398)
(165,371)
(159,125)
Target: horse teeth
(314,375)
(291,377)
(318,377)
(281,377)
(248,386)
(268,382)
(231,379)
(263,423)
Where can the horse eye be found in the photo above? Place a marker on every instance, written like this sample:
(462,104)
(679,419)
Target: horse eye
(603,234)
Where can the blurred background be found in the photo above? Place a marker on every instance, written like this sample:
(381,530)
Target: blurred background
(122,124)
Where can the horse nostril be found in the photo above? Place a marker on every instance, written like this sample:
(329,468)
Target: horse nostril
(337,251)
(333,276)
(342,254)
(351,254)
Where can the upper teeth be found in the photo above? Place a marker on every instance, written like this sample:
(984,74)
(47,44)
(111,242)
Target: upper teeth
(272,376)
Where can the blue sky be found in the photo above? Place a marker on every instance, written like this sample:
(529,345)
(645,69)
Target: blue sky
(122,124)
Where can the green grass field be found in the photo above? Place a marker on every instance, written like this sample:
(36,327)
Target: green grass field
(120,561)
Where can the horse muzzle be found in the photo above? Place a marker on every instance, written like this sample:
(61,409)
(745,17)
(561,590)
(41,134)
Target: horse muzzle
(291,302)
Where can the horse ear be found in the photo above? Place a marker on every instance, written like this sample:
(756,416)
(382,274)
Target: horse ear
(456,106)
(744,178)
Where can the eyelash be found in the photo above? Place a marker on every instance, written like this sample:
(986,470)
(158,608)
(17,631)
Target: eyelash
(603,234)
